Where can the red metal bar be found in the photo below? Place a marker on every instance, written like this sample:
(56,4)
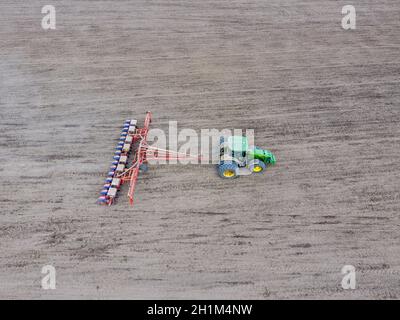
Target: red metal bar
(131,192)
(147,121)
(140,136)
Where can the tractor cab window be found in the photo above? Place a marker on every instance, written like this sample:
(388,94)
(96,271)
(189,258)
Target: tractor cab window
(240,155)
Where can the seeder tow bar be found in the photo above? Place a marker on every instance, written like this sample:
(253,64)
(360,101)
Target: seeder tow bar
(133,145)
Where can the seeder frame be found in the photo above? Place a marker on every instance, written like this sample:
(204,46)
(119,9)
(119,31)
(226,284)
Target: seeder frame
(141,152)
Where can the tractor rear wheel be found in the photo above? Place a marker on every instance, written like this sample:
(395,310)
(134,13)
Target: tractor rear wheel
(257,166)
(228,170)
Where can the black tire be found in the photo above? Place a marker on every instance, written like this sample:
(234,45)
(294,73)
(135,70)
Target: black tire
(228,170)
(257,166)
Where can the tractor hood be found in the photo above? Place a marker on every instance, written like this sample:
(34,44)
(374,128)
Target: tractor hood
(263,155)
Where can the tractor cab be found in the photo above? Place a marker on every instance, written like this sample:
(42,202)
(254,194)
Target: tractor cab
(238,146)
(235,148)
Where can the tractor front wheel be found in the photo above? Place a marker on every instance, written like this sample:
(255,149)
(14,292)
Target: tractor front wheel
(228,170)
(257,166)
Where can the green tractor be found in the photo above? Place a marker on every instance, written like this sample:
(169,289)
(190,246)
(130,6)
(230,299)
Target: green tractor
(237,158)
